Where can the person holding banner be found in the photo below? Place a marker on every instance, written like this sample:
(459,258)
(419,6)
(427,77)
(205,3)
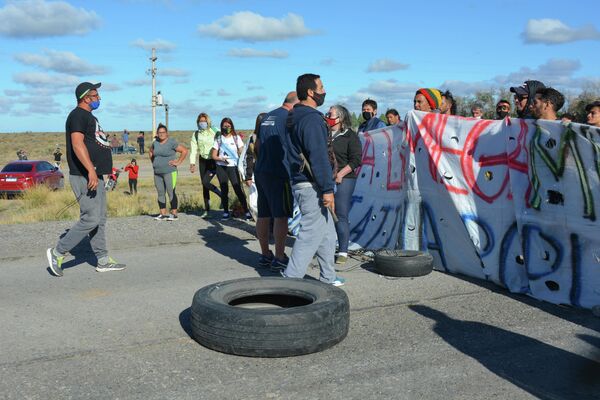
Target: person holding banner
(593,113)
(348,152)
(226,151)
(428,100)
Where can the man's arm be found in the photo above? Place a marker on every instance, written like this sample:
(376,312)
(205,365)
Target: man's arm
(84,157)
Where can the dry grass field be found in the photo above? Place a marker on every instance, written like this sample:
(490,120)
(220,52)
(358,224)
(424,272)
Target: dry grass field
(42,204)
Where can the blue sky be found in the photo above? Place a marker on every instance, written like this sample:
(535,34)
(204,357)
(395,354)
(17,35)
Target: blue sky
(237,58)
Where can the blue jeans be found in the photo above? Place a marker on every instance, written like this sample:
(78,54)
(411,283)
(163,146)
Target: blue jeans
(316,236)
(343,200)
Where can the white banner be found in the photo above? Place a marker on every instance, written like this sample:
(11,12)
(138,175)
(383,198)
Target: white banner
(512,201)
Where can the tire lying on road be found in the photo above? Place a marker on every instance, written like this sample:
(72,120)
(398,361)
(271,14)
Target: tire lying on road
(403,263)
(270,317)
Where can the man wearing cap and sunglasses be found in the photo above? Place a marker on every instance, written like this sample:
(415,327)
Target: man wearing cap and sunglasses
(525,96)
(89,158)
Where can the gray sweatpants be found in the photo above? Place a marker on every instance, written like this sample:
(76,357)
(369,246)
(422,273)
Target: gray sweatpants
(165,185)
(317,235)
(92,218)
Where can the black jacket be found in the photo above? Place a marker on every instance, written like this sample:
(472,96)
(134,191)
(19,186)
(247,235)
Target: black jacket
(348,151)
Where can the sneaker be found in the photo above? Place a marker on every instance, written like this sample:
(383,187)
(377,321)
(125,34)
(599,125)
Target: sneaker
(161,217)
(279,265)
(225,216)
(338,281)
(172,217)
(204,214)
(249,217)
(341,259)
(55,262)
(111,266)
(265,261)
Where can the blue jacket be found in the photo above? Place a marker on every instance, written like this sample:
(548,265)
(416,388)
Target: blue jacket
(308,136)
(271,138)
(370,125)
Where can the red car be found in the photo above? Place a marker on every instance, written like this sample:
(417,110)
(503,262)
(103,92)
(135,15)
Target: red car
(18,176)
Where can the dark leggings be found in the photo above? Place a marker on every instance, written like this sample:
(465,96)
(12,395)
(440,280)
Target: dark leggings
(343,200)
(207,171)
(230,174)
(132,186)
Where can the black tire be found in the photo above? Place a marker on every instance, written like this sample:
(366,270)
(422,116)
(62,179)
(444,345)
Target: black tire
(314,317)
(403,263)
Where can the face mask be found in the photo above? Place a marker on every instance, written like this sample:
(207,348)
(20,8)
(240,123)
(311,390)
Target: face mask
(319,98)
(95,104)
(226,130)
(502,114)
(202,125)
(367,115)
(331,121)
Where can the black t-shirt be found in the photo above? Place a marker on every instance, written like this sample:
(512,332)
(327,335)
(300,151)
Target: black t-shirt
(80,120)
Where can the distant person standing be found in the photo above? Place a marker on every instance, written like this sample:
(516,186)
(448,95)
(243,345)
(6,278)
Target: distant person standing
(133,170)
(125,141)
(476,111)
(22,154)
(114,143)
(89,158)
(502,109)
(593,113)
(140,141)
(57,156)
(369,114)
(163,154)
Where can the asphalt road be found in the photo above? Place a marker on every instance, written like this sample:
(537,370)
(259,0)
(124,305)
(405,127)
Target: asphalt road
(124,335)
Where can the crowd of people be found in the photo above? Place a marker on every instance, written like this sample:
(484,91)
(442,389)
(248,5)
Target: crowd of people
(296,155)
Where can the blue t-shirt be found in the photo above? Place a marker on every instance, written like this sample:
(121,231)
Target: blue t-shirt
(271,138)
(163,153)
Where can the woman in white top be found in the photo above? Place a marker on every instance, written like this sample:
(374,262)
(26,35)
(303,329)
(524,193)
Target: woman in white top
(226,152)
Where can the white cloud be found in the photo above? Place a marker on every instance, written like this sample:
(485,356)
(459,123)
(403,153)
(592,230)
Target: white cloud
(47,81)
(254,87)
(223,93)
(555,71)
(158,44)
(253,53)
(251,27)
(327,61)
(553,31)
(5,105)
(40,18)
(386,65)
(61,61)
(139,82)
(178,72)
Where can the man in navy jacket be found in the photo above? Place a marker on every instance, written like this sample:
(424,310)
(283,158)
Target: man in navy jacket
(312,183)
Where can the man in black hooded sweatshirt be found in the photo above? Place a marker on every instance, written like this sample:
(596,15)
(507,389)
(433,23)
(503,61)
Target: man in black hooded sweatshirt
(525,97)
(312,183)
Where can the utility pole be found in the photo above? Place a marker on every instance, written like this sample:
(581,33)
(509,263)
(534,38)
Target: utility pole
(167,115)
(153,73)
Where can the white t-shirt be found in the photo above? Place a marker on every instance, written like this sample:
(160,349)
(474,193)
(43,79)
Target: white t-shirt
(229,146)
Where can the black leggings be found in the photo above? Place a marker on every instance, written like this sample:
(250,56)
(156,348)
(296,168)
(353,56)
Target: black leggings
(207,171)
(132,186)
(226,175)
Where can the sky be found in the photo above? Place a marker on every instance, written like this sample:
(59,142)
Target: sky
(237,58)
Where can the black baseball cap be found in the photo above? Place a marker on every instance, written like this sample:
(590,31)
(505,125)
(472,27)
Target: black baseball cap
(520,90)
(83,89)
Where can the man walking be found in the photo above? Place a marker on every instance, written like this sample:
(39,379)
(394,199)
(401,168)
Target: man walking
(272,176)
(89,157)
(312,183)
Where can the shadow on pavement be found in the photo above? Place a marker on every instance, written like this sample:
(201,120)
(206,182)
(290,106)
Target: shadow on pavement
(82,254)
(232,246)
(574,315)
(545,371)
(185,320)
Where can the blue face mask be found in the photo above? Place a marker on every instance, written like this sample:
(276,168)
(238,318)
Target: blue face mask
(95,104)
(202,125)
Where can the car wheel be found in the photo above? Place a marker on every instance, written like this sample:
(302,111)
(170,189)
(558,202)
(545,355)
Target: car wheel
(403,263)
(269,317)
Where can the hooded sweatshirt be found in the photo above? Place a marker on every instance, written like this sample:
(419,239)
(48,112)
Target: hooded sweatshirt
(308,136)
